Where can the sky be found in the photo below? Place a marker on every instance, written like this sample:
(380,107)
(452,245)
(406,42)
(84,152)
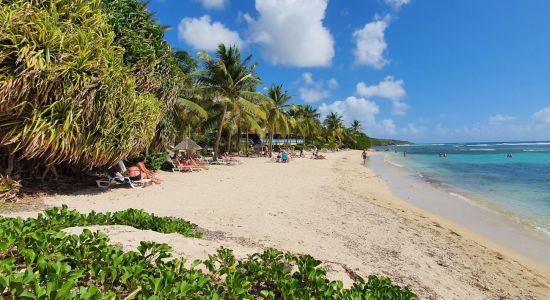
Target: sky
(419,70)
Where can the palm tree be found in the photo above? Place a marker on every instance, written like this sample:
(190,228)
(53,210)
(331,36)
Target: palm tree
(277,112)
(307,120)
(356,126)
(230,82)
(335,130)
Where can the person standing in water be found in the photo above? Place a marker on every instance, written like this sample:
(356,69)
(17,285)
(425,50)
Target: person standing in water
(364,157)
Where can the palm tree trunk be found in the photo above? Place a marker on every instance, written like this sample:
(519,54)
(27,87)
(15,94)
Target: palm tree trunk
(271,140)
(219,134)
(229,135)
(246,140)
(238,140)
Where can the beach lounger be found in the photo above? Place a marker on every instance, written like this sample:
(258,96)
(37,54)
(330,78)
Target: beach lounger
(120,180)
(178,167)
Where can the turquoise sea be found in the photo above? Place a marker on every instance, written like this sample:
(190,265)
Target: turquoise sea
(517,186)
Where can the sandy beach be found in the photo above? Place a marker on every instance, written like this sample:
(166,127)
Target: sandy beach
(336,210)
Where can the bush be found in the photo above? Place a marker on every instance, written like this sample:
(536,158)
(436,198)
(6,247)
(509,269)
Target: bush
(38,261)
(67,96)
(155,161)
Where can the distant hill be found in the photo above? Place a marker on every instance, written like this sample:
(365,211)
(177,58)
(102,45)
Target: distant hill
(388,142)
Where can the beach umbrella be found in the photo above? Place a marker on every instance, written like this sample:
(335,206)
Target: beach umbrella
(187,145)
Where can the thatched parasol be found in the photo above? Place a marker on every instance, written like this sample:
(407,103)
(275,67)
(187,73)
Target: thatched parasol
(186,145)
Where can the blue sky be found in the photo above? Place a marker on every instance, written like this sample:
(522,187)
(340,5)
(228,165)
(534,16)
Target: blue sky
(425,71)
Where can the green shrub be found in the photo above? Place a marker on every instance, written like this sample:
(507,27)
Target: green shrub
(67,96)
(156,160)
(38,261)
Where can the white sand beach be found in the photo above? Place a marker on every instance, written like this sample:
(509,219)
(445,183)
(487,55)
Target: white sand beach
(336,210)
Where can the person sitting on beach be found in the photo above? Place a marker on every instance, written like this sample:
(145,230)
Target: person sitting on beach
(139,171)
(226,156)
(320,156)
(284,157)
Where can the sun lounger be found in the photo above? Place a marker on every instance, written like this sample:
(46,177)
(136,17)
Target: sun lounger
(178,167)
(120,180)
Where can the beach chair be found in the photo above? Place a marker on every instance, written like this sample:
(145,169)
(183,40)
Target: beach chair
(120,180)
(178,167)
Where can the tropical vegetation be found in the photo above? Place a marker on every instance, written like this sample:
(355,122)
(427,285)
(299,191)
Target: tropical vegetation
(39,261)
(88,83)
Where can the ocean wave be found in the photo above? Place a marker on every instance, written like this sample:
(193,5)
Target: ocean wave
(534,150)
(393,163)
(510,144)
(543,230)
(482,149)
(524,144)
(464,198)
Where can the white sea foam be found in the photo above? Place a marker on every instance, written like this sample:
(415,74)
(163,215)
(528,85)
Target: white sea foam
(482,149)
(393,163)
(524,144)
(534,150)
(420,175)
(543,230)
(510,144)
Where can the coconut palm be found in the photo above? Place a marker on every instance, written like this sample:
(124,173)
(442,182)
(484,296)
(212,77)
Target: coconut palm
(230,82)
(307,120)
(335,130)
(277,112)
(356,126)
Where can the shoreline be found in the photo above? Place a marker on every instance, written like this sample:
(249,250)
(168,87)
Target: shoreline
(336,210)
(483,224)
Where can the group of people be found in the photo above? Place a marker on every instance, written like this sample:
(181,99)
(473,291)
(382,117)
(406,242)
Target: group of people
(190,160)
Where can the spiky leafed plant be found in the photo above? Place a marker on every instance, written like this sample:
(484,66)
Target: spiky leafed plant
(229,81)
(157,69)
(65,94)
(277,112)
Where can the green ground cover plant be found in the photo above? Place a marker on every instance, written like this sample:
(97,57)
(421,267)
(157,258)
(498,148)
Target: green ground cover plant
(39,261)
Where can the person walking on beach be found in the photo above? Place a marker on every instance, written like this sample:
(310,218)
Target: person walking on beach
(364,157)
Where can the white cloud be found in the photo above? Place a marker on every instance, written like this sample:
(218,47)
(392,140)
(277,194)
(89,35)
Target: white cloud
(353,108)
(213,4)
(291,32)
(396,4)
(399,108)
(390,89)
(313,91)
(370,44)
(332,83)
(411,129)
(244,17)
(307,77)
(313,94)
(542,116)
(497,119)
(203,34)
(387,126)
